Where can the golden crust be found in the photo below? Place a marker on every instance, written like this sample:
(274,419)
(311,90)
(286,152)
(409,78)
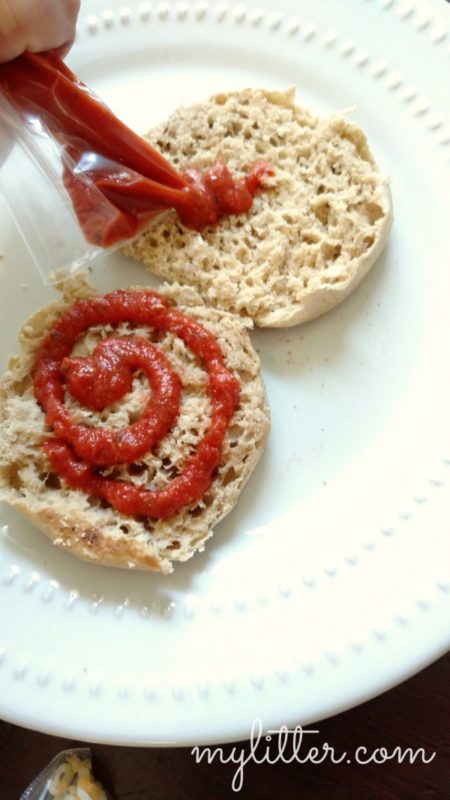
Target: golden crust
(90,543)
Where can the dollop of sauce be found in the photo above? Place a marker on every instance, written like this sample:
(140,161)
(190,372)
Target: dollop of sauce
(116,181)
(215,193)
(78,453)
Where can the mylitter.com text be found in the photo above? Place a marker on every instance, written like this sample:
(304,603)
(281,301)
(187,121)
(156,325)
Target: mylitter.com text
(287,745)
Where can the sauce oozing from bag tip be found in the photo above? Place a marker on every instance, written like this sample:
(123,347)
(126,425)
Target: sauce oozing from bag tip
(118,182)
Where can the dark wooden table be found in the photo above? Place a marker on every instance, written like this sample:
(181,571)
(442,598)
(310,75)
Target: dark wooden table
(414,715)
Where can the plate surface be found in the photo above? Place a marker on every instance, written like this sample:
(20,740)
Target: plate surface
(330,581)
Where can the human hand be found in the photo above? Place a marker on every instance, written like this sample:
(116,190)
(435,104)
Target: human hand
(36,25)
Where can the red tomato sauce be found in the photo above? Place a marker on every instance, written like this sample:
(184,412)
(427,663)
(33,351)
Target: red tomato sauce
(118,182)
(78,453)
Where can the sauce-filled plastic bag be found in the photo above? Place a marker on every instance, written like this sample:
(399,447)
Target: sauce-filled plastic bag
(89,172)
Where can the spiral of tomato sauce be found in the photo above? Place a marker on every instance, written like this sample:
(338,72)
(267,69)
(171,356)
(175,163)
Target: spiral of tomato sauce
(78,453)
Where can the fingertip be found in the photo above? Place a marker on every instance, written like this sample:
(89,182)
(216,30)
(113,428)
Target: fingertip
(63,49)
(9,49)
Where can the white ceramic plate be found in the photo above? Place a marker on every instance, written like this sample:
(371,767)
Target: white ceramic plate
(330,581)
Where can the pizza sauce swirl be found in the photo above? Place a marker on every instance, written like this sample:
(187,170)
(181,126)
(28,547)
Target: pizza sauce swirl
(77,453)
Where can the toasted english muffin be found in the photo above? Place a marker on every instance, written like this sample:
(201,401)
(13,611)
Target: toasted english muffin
(86,526)
(312,234)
